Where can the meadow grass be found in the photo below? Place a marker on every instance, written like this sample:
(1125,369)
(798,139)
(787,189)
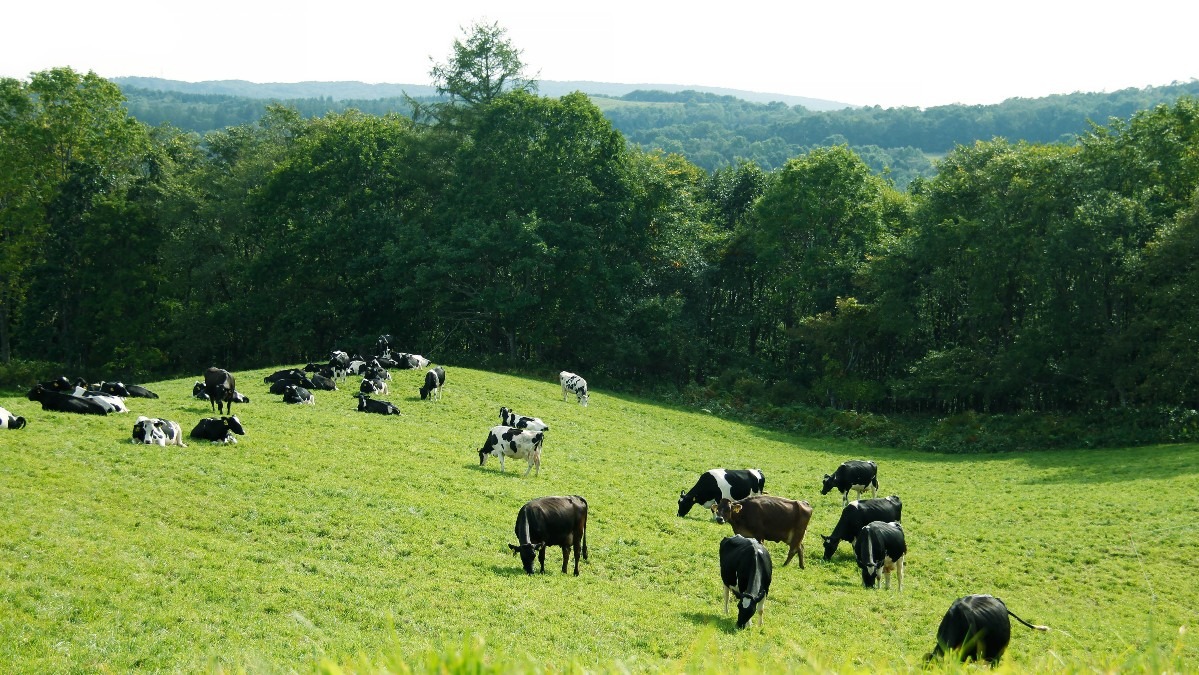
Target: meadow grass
(330,540)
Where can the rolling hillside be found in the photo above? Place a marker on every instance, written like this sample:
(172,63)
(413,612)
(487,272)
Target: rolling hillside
(330,536)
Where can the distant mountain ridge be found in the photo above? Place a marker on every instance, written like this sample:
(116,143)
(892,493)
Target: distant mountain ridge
(349,91)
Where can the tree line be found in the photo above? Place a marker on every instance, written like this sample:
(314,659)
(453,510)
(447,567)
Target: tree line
(512,229)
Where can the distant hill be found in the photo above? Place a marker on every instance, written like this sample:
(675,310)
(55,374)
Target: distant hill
(358,91)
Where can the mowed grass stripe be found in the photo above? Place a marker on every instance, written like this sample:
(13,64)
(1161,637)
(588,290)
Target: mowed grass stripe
(331,533)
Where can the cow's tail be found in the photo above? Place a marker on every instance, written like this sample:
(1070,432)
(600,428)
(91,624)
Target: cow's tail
(585,513)
(1032,626)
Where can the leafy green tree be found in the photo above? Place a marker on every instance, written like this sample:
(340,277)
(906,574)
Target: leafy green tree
(482,68)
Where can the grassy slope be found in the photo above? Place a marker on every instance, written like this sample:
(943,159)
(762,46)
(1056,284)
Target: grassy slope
(331,533)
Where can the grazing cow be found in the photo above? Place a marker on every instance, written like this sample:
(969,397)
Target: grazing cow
(976,626)
(59,402)
(10,421)
(858,514)
(367,404)
(220,385)
(716,484)
(509,418)
(551,521)
(138,391)
(339,361)
(745,569)
(218,430)
(199,392)
(288,374)
(880,547)
(857,475)
(154,431)
(434,379)
(505,442)
(296,394)
(768,518)
(323,382)
(372,386)
(574,384)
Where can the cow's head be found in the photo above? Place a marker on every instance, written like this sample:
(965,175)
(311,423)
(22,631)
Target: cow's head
(828,484)
(830,546)
(528,552)
(870,572)
(727,509)
(234,425)
(685,503)
(483,452)
(16,422)
(746,606)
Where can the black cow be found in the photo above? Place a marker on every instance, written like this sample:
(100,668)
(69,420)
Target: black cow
(279,386)
(880,548)
(856,474)
(716,484)
(319,368)
(367,404)
(976,626)
(551,521)
(323,382)
(295,394)
(434,379)
(60,383)
(745,569)
(858,514)
(220,385)
(10,421)
(59,402)
(199,392)
(111,389)
(218,430)
(138,391)
(509,418)
(287,374)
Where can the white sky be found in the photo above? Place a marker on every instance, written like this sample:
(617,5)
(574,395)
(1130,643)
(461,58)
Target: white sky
(863,52)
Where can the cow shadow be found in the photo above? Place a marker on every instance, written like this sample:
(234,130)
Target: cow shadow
(725,624)
(513,570)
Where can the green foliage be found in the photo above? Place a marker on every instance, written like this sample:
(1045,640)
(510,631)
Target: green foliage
(329,540)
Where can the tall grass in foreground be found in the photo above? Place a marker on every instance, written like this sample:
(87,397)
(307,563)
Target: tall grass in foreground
(329,540)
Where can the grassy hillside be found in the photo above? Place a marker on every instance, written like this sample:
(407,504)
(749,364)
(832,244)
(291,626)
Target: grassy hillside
(328,536)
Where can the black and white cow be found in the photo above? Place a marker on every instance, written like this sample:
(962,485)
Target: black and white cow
(10,421)
(367,404)
(116,404)
(220,385)
(323,382)
(506,442)
(573,384)
(357,367)
(880,548)
(858,475)
(58,401)
(383,345)
(745,569)
(138,391)
(551,521)
(434,380)
(339,361)
(297,394)
(319,368)
(199,392)
(372,386)
(976,627)
(154,431)
(858,514)
(716,484)
(218,430)
(60,383)
(509,418)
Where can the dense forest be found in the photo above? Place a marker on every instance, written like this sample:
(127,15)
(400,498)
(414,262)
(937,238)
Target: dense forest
(712,131)
(498,226)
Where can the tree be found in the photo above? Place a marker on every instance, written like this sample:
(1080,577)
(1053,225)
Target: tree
(482,68)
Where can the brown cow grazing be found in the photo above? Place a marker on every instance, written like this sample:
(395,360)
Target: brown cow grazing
(551,521)
(769,518)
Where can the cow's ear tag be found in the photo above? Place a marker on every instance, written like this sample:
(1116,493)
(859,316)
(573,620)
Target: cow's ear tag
(736,508)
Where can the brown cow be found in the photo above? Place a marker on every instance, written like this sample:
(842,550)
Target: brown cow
(769,518)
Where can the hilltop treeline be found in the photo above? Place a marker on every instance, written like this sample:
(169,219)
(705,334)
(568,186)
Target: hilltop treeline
(525,230)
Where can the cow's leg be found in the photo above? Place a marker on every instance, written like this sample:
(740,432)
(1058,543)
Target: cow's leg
(566,559)
(899,573)
(541,558)
(761,612)
(502,456)
(577,547)
(530,469)
(727,592)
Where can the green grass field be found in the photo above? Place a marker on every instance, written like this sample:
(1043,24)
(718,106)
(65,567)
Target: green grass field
(329,539)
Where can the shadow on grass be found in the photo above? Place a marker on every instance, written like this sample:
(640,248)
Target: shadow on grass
(725,624)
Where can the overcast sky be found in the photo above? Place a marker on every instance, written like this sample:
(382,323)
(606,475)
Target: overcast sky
(864,52)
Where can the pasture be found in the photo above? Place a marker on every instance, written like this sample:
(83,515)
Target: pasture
(328,538)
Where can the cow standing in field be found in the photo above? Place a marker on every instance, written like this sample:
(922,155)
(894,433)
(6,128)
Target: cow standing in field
(880,548)
(10,421)
(716,484)
(509,418)
(858,514)
(434,380)
(976,626)
(573,384)
(745,569)
(857,475)
(339,361)
(218,430)
(551,521)
(505,442)
(220,385)
(769,518)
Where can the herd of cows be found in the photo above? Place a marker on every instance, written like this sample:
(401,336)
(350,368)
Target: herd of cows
(975,626)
